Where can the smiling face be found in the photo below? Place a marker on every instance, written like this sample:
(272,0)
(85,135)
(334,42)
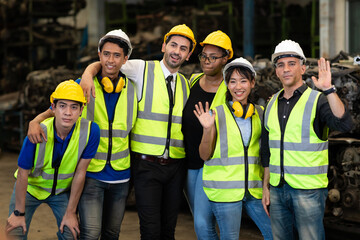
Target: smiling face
(215,67)
(290,70)
(240,87)
(111,58)
(176,51)
(66,113)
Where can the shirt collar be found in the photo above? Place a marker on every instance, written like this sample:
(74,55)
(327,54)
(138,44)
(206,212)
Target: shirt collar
(58,139)
(298,91)
(166,71)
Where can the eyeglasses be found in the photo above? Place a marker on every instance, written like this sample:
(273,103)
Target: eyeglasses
(211,59)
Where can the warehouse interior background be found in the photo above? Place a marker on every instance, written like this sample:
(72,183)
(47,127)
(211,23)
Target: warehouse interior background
(44,42)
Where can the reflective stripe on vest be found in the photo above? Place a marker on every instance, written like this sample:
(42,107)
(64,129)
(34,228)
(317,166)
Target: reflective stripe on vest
(150,132)
(220,96)
(42,176)
(118,137)
(194,78)
(224,174)
(305,155)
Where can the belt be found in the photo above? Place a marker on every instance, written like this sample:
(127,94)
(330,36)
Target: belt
(155,159)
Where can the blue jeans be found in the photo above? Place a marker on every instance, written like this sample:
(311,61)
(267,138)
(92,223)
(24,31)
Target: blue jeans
(302,209)
(204,219)
(101,209)
(57,203)
(228,217)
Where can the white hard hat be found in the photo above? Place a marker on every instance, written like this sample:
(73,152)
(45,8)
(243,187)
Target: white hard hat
(287,48)
(239,62)
(117,34)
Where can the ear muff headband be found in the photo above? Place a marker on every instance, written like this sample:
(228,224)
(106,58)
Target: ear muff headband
(239,110)
(109,87)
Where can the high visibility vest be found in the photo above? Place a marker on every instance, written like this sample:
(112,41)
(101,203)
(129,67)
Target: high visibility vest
(114,135)
(305,156)
(150,134)
(234,167)
(220,96)
(45,180)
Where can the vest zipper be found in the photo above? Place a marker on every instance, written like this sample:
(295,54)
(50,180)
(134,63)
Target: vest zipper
(53,190)
(246,167)
(110,142)
(282,157)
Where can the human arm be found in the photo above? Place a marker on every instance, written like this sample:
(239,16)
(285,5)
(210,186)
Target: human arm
(266,191)
(207,121)
(35,132)
(324,83)
(20,196)
(70,217)
(87,83)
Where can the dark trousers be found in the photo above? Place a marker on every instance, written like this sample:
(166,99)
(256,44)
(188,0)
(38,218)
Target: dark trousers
(158,192)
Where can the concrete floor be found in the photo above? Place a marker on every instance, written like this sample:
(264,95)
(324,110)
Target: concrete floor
(43,225)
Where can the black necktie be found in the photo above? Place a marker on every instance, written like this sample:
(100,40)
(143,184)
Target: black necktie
(170,92)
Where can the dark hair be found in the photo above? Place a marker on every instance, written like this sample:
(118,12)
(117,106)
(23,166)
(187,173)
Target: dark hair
(191,42)
(56,101)
(122,44)
(243,71)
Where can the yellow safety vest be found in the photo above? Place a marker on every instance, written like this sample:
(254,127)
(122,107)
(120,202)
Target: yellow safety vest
(305,156)
(114,135)
(220,96)
(44,180)
(234,168)
(150,134)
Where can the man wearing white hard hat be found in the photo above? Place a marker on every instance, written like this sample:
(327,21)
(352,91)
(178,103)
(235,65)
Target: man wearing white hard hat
(157,142)
(102,204)
(295,145)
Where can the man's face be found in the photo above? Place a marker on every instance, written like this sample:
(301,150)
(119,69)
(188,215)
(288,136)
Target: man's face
(66,113)
(111,58)
(176,51)
(290,70)
(211,51)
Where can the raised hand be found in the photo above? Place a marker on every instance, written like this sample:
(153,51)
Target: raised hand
(324,81)
(206,117)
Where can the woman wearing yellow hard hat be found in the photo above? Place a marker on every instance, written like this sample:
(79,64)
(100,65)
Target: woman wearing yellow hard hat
(230,146)
(217,50)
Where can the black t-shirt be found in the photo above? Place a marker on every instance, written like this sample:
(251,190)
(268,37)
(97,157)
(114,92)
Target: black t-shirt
(191,126)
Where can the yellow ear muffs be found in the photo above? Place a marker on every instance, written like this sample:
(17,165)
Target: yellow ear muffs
(109,87)
(239,110)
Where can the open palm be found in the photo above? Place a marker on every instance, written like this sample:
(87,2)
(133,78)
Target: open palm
(206,118)
(324,80)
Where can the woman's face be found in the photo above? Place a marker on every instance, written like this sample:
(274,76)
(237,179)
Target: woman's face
(240,87)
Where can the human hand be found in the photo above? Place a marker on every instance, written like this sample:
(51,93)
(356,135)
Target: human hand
(14,222)
(324,81)
(71,221)
(206,118)
(87,84)
(266,200)
(35,133)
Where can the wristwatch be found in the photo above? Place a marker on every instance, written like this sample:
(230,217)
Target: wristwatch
(330,90)
(19,214)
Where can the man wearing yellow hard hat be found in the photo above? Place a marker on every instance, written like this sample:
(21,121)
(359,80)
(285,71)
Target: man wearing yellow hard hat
(47,170)
(102,204)
(158,165)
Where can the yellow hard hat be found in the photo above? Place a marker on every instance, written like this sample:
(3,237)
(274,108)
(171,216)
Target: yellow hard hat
(219,39)
(182,30)
(68,90)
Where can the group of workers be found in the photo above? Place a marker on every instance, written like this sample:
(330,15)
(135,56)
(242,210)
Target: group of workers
(145,120)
